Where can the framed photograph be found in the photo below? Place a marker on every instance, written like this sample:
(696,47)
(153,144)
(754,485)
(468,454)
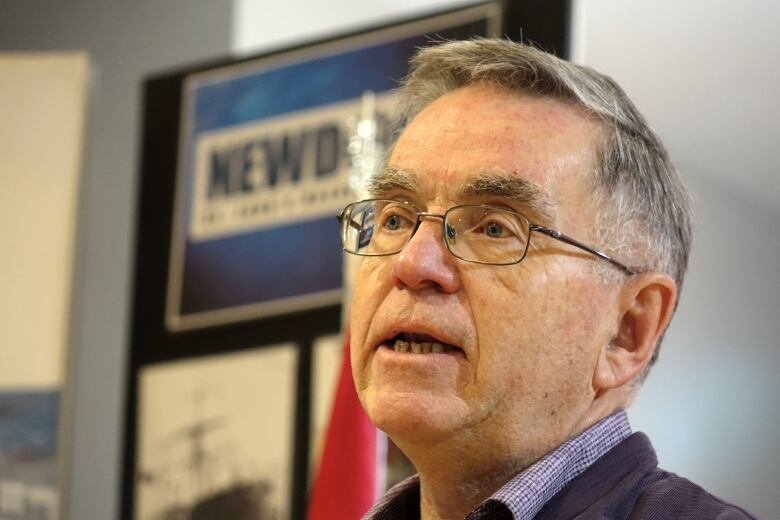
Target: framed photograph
(215,436)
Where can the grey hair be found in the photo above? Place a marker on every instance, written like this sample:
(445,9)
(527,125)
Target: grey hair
(643,209)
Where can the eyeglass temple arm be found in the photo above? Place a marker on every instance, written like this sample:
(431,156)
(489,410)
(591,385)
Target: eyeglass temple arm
(576,243)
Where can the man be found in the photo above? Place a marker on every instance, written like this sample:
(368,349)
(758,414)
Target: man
(525,245)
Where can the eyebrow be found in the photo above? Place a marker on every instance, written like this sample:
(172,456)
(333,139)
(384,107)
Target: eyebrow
(513,187)
(496,183)
(391,179)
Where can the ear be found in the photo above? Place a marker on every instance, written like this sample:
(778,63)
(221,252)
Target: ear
(646,304)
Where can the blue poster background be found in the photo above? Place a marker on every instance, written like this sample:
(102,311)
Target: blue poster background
(294,260)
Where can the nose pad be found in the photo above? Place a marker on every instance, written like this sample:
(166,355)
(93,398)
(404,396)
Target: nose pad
(425,261)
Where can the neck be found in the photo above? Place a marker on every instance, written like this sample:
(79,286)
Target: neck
(446,495)
(457,475)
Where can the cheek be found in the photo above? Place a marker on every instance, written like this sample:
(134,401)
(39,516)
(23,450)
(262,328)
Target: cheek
(587,312)
(371,287)
(534,327)
(572,329)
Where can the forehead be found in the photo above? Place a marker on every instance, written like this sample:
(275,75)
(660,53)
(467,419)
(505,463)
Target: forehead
(480,130)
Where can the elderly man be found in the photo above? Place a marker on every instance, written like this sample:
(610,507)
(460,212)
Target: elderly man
(524,247)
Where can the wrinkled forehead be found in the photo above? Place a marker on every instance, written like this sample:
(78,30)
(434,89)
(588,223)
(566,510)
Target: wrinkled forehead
(482,142)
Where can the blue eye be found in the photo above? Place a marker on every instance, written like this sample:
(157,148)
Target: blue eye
(393,222)
(494,230)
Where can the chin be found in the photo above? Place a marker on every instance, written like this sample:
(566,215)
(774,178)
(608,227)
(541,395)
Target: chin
(412,417)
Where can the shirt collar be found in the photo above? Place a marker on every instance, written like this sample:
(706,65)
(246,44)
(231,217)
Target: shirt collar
(531,489)
(526,494)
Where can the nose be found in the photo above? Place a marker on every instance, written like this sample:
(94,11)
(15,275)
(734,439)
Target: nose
(425,261)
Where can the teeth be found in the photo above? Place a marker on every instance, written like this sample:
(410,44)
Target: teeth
(424,347)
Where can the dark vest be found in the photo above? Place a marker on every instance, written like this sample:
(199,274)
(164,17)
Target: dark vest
(626,483)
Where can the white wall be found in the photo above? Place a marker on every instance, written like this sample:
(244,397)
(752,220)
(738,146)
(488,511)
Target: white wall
(705,74)
(259,25)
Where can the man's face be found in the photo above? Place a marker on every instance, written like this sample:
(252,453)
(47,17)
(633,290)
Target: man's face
(527,336)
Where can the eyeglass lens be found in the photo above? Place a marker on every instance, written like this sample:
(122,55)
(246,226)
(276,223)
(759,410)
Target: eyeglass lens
(473,233)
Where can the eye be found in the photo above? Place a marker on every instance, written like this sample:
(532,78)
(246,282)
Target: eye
(496,225)
(494,230)
(393,222)
(395,217)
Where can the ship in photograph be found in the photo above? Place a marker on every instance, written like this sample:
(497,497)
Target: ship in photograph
(241,501)
(235,498)
(216,437)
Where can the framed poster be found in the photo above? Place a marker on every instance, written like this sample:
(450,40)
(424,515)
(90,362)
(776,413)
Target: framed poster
(43,102)
(263,168)
(245,164)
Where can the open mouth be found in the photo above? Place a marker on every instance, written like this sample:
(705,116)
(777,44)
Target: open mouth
(419,344)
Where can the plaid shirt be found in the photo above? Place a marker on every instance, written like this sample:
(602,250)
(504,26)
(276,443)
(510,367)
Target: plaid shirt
(524,496)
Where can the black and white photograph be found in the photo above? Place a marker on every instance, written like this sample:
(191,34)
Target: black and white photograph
(215,437)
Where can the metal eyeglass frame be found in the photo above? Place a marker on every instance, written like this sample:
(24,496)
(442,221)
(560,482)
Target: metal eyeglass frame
(552,233)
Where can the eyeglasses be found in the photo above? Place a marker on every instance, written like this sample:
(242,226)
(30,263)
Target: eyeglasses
(474,233)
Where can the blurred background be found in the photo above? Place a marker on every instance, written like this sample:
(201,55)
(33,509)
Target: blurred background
(704,73)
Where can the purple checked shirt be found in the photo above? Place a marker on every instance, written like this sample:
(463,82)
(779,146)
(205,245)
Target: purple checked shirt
(524,496)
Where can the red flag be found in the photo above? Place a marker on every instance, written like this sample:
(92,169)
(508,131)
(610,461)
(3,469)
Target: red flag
(347,480)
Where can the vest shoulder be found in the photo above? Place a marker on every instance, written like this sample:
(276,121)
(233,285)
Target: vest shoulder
(664,495)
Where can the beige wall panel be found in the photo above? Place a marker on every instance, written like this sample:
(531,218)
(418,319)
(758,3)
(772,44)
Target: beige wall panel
(42,110)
